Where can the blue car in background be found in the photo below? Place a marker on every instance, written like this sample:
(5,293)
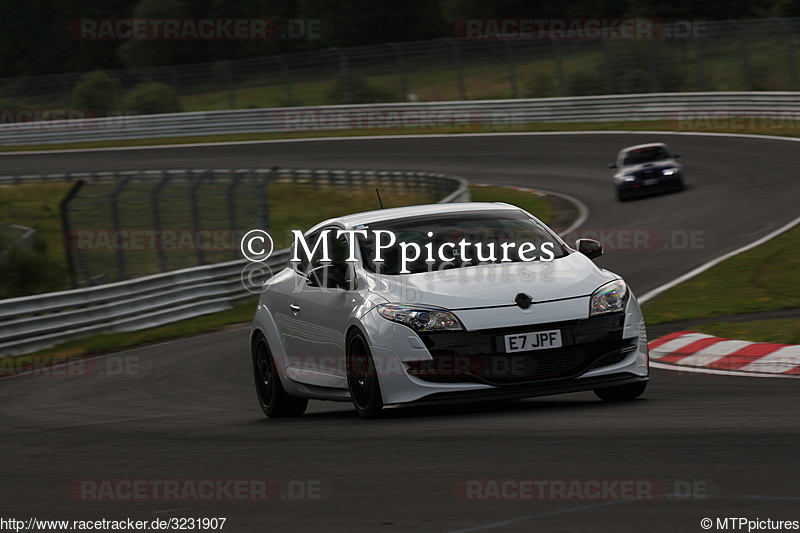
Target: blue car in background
(645,169)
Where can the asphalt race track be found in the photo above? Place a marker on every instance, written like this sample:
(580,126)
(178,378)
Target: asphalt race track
(186,410)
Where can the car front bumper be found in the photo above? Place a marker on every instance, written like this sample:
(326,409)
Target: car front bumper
(471,365)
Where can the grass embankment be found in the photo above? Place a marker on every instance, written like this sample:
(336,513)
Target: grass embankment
(759,280)
(290,215)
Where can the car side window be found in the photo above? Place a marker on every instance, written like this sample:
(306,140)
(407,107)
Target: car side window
(304,265)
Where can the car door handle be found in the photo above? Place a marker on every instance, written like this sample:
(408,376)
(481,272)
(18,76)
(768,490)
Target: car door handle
(295,309)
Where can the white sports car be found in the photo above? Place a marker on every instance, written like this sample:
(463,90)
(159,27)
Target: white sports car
(443,303)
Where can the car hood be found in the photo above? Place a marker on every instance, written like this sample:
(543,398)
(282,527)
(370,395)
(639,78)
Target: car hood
(657,165)
(494,285)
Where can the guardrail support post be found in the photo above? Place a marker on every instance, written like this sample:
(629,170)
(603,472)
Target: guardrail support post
(66,228)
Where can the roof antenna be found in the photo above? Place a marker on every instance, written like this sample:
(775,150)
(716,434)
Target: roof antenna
(379,197)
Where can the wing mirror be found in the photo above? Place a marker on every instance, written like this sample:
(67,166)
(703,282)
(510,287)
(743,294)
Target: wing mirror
(325,276)
(612,165)
(589,247)
(676,156)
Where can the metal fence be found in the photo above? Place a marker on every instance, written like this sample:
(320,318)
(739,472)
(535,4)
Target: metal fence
(35,322)
(121,225)
(725,56)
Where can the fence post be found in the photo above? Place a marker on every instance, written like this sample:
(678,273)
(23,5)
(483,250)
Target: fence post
(286,74)
(401,67)
(229,86)
(230,191)
(173,82)
(748,76)
(512,69)
(263,208)
(116,226)
(562,86)
(607,67)
(344,74)
(654,85)
(698,63)
(65,90)
(790,52)
(155,208)
(196,212)
(462,90)
(66,228)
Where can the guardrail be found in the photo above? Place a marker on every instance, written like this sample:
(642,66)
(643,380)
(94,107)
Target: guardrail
(40,321)
(489,113)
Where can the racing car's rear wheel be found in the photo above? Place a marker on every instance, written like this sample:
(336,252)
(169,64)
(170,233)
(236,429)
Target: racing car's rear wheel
(621,393)
(362,379)
(271,395)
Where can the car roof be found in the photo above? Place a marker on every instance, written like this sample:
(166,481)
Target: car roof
(369,217)
(642,146)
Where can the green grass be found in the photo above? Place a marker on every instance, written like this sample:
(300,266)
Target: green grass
(761,279)
(780,331)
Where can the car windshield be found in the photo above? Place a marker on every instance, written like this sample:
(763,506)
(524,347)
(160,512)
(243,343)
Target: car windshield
(646,155)
(458,239)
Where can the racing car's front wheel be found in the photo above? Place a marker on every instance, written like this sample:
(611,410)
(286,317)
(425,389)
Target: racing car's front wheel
(621,393)
(362,379)
(271,395)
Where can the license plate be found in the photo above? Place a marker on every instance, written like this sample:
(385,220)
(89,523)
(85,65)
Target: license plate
(652,181)
(540,340)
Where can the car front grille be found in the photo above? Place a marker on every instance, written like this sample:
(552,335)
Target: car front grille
(476,357)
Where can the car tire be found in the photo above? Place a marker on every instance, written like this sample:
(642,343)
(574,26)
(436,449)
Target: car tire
(621,197)
(362,379)
(621,393)
(272,397)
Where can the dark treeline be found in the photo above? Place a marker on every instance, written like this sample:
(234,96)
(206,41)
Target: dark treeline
(34,37)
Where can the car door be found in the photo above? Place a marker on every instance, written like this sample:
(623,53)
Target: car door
(318,316)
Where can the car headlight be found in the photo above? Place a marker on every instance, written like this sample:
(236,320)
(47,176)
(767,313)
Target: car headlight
(610,298)
(421,318)
(628,178)
(669,171)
